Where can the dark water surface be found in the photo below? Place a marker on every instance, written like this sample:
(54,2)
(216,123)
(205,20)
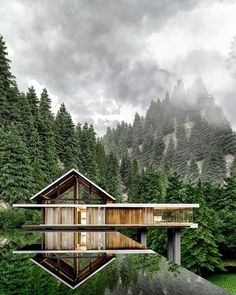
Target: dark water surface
(94,273)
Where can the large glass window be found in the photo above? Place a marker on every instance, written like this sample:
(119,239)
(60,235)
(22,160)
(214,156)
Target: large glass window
(181,215)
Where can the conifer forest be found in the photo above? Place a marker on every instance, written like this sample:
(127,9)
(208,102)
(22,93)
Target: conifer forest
(183,150)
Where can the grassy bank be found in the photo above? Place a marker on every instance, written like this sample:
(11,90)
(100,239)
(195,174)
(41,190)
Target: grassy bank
(226,281)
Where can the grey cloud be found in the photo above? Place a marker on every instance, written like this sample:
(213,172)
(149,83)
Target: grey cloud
(140,83)
(103,124)
(79,49)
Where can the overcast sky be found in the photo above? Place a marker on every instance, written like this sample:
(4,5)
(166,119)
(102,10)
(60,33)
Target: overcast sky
(107,60)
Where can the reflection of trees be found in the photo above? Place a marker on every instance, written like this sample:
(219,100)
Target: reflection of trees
(20,276)
(142,267)
(128,273)
(152,264)
(19,238)
(112,274)
(138,273)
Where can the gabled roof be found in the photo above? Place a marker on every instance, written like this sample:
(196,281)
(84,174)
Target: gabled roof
(65,182)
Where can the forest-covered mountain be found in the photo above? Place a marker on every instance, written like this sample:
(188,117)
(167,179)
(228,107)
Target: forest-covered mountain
(188,133)
(36,147)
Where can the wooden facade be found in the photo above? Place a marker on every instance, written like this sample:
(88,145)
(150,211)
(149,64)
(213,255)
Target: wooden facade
(129,215)
(59,216)
(149,216)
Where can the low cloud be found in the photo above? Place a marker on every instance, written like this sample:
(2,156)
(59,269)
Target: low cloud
(108,59)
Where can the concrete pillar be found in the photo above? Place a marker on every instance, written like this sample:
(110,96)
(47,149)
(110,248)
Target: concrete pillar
(177,246)
(142,236)
(170,244)
(174,245)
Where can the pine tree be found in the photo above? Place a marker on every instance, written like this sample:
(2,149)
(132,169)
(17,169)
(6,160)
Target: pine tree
(135,176)
(158,149)
(147,149)
(15,169)
(33,102)
(199,248)
(228,196)
(65,138)
(225,139)
(147,188)
(138,128)
(109,141)
(181,154)
(37,162)
(86,144)
(175,190)
(200,138)
(9,110)
(214,165)
(46,130)
(122,139)
(101,165)
(226,204)
(113,177)
(126,171)
(29,121)
(168,116)
(136,154)
(151,117)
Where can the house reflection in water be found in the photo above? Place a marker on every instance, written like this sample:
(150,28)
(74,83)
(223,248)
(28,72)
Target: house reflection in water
(73,269)
(73,257)
(90,241)
(85,242)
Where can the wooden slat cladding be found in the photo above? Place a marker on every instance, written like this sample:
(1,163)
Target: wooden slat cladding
(67,215)
(59,215)
(148,215)
(129,215)
(95,215)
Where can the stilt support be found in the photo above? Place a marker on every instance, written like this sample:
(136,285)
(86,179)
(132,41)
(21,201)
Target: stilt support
(174,245)
(142,236)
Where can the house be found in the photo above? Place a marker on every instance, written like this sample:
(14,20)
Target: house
(73,202)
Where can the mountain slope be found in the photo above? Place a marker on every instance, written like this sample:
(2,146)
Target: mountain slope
(188,133)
